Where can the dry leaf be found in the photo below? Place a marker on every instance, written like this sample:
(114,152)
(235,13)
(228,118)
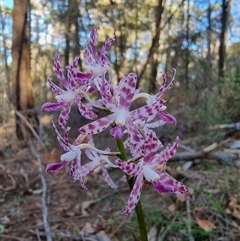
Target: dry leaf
(205,224)
(89,228)
(152,234)
(204,218)
(233,208)
(85,205)
(180,199)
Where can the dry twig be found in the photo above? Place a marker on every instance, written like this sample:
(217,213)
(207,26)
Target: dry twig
(30,127)
(44,194)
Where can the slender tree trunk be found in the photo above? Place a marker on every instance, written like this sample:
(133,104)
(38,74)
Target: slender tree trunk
(154,55)
(187,49)
(22,94)
(72,32)
(209,42)
(223,36)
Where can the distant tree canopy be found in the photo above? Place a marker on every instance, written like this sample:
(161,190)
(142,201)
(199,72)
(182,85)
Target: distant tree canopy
(198,38)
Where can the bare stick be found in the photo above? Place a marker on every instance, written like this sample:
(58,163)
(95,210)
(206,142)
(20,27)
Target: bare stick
(44,194)
(189,226)
(9,237)
(30,127)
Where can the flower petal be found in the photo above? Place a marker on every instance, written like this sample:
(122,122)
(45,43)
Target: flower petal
(56,166)
(167,183)
(166,154)
(72,73)
(107,177)
(97,126)
(128,90)
(167,118)
(131,169)
(57,90)
(52,106)
(62,141)
(85,111)
(134,195)
(76,171)
(59,73)
(64,115)
(135,140)
(104,61)
(151,146)
(106,93)
(88,168)
(92,43)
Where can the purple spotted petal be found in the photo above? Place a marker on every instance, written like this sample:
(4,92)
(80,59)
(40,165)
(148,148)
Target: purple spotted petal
(88,168)
(56,166)
(155,124)
(57,90)
(83,78)
(88,58)
(52,106)
(92,42)
(150,146)
(135,140)
(85,111)
(104,61)
(163,87)
(107,177)
(166,183)
(72,73)
(63,141)
(130,168)
(64,115)
(97,126)
(76,172)
(59,73)
(128,90)
(106,93)
(167,118)
(134,196)
(166,154)
(142,112)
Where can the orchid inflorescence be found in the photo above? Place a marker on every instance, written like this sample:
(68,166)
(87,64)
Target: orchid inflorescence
(135,127)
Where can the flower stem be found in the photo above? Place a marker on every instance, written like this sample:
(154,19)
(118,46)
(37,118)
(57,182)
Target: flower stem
(138,209)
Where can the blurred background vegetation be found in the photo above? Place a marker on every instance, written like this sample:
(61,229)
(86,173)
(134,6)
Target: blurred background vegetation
(201,39)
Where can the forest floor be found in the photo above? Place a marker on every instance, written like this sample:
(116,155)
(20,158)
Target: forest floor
(209,166)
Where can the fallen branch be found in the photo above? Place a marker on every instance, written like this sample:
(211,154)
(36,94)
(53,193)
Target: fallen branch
(9,237)
(44,194)
(224,126)
(221,156)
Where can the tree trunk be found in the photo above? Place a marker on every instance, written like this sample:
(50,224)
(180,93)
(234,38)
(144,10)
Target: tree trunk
(22,94)
(208,76)
(153,52)
(72,32)
(223,36)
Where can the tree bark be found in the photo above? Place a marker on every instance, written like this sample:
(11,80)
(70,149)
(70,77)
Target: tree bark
(22,95)
(223,36)
(72,32)
(153,52)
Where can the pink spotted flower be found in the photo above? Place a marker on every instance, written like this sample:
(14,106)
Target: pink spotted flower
(75,88)
(72,157)
(97,63)
(118,100)
(151,169)
(162,117)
